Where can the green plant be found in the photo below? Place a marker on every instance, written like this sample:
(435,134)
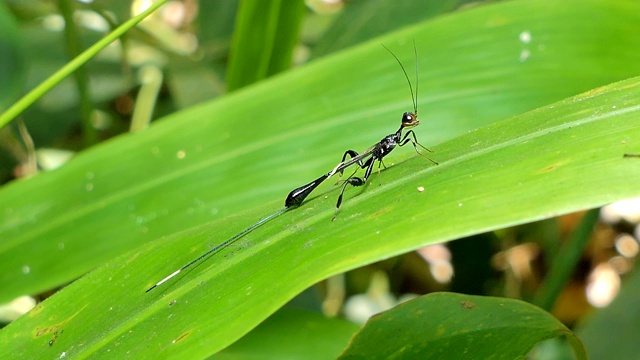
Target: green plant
(140,205)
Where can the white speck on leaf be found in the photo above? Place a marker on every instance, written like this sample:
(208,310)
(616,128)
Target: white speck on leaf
(525,37)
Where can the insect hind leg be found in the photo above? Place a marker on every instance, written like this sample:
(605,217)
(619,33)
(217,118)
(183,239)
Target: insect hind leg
(353,181)
(352,154)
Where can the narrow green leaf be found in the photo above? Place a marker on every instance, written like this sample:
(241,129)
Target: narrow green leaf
(544,163)
(455,326)
(565,262)
(265,35)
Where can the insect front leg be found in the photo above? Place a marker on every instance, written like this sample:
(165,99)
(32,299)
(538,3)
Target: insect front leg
(410,137)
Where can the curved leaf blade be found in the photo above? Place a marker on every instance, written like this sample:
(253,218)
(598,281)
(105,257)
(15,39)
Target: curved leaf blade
(554,160)
(456,326)
(250,148)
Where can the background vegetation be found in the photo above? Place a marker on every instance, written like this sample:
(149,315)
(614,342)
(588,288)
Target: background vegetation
(193,127)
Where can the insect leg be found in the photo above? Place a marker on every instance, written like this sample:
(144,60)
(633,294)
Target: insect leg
(352,154)
(410,137)
(354,181)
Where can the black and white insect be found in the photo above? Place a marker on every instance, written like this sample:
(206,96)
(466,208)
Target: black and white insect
(375,153)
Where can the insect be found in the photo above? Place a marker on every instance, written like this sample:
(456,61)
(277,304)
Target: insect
(366,160)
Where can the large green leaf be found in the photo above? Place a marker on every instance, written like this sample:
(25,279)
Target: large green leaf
(250,148)
(454,326)
(557,159)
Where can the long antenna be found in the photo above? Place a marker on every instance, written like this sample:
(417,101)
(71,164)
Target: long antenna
(413,98)
(415,51)
(220,246)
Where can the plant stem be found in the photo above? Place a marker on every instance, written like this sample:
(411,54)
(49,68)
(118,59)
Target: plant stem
(35,94)
(565,261)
